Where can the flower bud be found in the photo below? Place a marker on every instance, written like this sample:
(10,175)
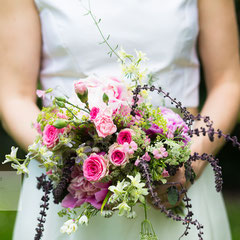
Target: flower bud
(81,91)
(60,104)
(105,98)
(60,123)
(60,99)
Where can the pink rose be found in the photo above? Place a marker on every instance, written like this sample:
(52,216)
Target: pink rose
(104,125)
(115,89)
(80,191)
(125,135)
(95,167)
(94,112)
(80,87)
(51,135)
(117,155)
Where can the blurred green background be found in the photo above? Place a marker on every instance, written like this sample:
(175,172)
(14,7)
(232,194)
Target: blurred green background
(229,160)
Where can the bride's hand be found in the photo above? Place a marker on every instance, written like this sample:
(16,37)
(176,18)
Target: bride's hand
(178,181)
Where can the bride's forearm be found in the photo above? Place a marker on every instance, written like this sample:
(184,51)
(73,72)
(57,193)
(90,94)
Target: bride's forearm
(17,116)
(222,106)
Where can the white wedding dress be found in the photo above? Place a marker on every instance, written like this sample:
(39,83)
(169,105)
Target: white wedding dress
(166,30)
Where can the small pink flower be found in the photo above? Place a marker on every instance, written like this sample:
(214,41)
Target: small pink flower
(146,157)
(49,172)
(117,155)
(95,167)
(130,148)
(51,135)
(165,173)
(61,115)
(41,93)
(133,145)
(160,153)
(104,125)
(125,136)
(137,162)
(80,87)
(94,112)
(37,126)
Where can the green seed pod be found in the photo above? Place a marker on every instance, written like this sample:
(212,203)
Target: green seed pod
(60,123)
(61,99)
(60,104)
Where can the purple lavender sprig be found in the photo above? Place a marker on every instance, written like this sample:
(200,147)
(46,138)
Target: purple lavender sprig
(60,191)
(214,162)
(187,116)
(187,220)
(46,186)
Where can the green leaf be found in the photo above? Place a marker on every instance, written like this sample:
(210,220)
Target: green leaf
(105,200)
(173,195)
(105,98)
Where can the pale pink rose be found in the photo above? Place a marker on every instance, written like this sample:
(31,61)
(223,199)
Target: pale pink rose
(95,167)
(117,155)
(81,191)
(51,135)
(125,135)
(115,89)
(94,112)
(104,125)
(80,87)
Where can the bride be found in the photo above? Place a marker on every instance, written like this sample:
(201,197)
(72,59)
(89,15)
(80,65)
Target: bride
(54,40)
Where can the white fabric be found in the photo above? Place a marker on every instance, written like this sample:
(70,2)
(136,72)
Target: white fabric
(71,48)
(164,29)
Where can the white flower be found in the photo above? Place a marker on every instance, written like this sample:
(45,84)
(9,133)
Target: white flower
(141,56)
(119,189)
(12,157)
(69,227)
(135,181)
(124,209)
(131,214)
(83,220)
(21,168)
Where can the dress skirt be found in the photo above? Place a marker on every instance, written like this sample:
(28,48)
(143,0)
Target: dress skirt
(207,206)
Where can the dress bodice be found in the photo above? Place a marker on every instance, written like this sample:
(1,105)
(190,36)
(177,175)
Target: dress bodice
(165,30)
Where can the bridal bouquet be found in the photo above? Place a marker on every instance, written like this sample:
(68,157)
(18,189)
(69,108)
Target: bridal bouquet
(106,149)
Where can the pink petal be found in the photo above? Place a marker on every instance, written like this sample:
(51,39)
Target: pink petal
(40,93)
(94,202)
(69,201)
(100,196)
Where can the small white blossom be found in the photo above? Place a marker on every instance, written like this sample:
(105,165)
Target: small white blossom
(123,208)
(69,227)
(141,56)
(83,220)
(12,157)
(131,215)
(21,168)
(119,189)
